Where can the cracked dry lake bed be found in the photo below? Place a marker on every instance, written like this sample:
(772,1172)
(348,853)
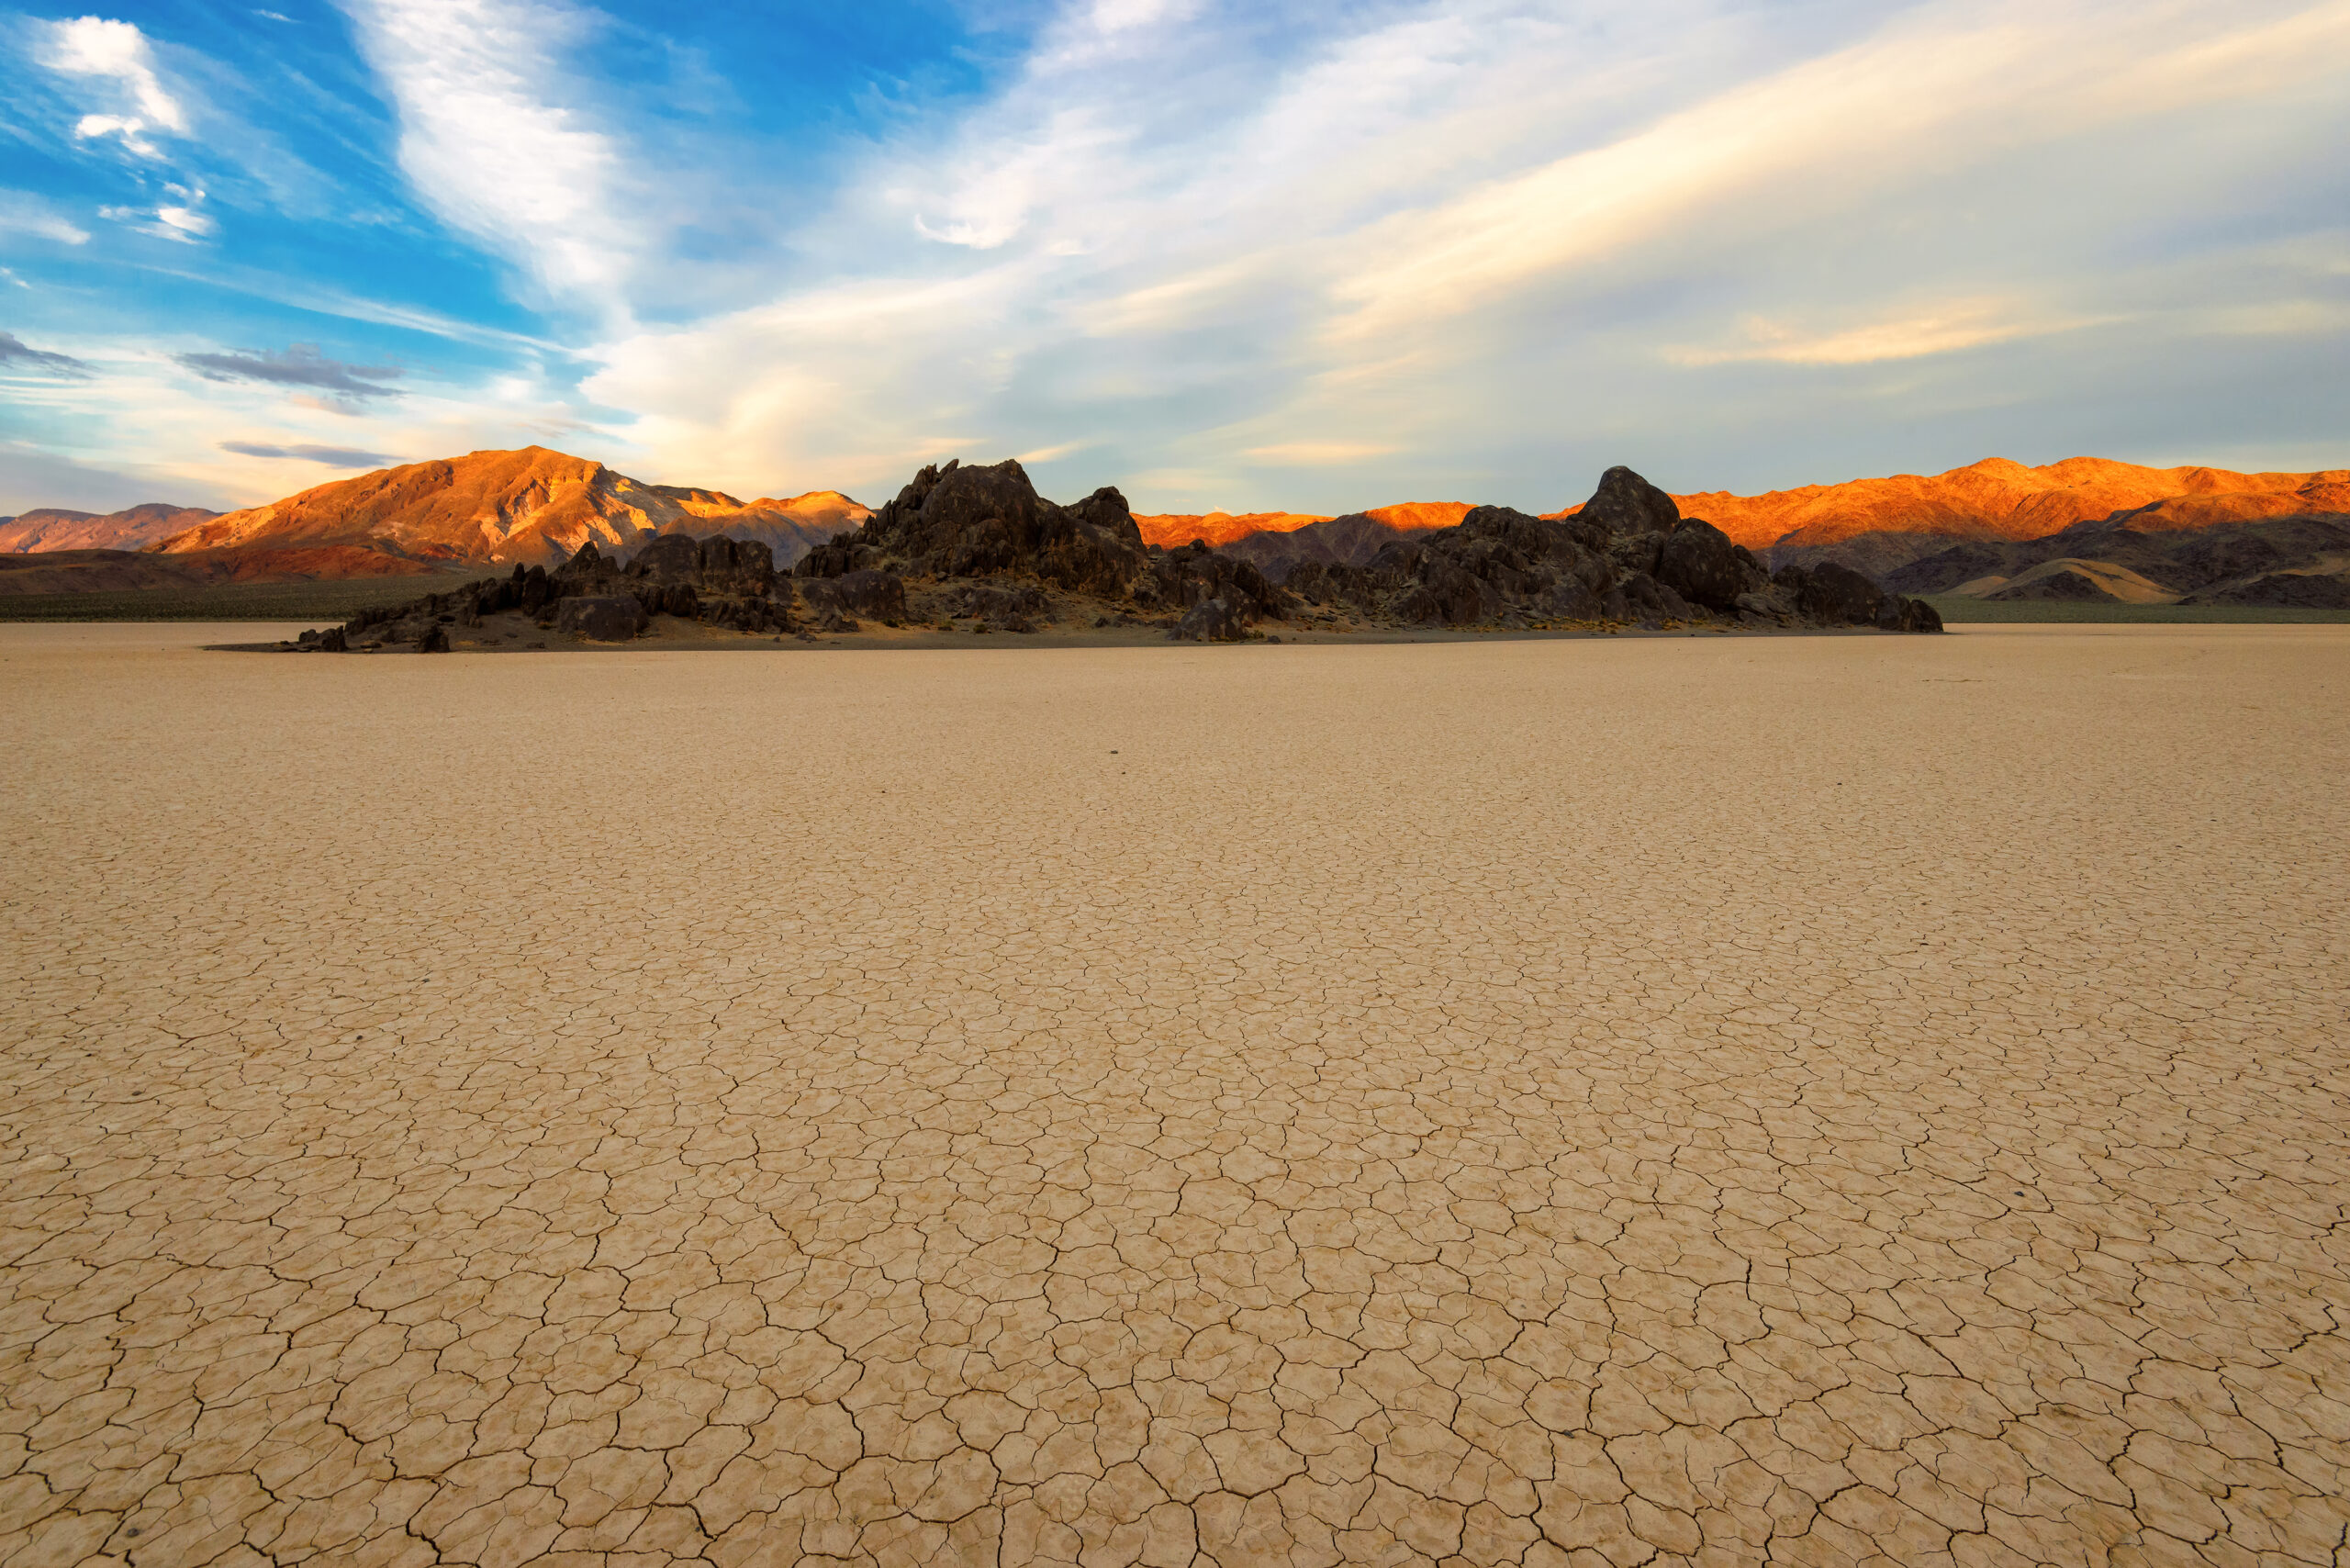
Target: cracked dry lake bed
(1729,1100)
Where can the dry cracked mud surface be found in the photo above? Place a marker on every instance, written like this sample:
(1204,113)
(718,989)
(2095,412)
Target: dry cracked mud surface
(1717,1100)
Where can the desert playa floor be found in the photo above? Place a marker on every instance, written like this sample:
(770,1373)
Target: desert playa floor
(1804,1099)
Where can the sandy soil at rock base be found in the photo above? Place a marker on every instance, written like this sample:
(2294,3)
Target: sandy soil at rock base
(1814,1099)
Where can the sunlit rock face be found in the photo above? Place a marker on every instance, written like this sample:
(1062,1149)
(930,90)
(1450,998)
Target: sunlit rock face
(1999,499)
(532,507)
(1874,524)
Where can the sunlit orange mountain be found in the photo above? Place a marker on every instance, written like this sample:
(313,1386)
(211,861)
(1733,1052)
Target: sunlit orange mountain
(1877,518)
(1218,528)
(1999,499)
(530,506)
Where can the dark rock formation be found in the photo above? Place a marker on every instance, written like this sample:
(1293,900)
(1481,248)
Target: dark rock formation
(1626,555)
(602,617)
(881,596)
(1349,540)
(1832,593)
(989,523)
(1211,620)
(979,543)
(1698,562)
(1629,507)
(717,581)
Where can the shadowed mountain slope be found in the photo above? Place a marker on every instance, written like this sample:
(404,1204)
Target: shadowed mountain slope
(2266,562)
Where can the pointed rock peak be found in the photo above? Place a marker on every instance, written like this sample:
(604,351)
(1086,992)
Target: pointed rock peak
(1626,503)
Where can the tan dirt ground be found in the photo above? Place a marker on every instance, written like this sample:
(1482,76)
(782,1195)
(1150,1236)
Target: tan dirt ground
(1723,1099)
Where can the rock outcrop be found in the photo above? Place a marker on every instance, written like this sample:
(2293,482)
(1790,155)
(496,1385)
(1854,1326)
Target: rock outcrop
(718,582)
(1627,555)
(979,544)
(956,523)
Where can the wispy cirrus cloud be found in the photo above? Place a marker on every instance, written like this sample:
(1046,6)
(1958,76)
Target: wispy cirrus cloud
(502,140)
(22,212)
(1395,252)
(1292,254)
(1949,327)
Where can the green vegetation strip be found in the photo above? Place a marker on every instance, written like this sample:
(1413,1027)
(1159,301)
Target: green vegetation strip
(324,602)
(1957,610)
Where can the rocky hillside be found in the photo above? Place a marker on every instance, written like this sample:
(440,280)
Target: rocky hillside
(1625,555)
(2289,562)
(979,544)
(134,528)
(533,506)
(1262,533)
(1878,525)
(1874,525)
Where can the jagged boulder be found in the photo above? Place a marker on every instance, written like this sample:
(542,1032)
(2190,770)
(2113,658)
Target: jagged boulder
(1211,620)
(604,618)
(1833,593)
(879,595)
(1627,505)
(1699,562)
(987,521)
(999,604)
(1901,614)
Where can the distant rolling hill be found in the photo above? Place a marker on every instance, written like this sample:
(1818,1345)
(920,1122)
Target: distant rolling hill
(2300,561)
(135,528)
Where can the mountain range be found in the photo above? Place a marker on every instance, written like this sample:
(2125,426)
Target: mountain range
(136,527)
(536,506)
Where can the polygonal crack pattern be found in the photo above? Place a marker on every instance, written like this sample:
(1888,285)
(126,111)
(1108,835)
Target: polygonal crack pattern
(1815,1100)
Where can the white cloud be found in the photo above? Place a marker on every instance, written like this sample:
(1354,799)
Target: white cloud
(182,219)
(118,53)
(21,212)
(1323,257)
(1962,82)
(1317,454)
(491,139)
(1949,327)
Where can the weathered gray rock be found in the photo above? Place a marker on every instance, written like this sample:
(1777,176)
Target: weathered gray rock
(605,618)
(879,595)
(1698,562)
(1211,620)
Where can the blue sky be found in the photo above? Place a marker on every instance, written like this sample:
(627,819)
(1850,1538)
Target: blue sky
(1248,255)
